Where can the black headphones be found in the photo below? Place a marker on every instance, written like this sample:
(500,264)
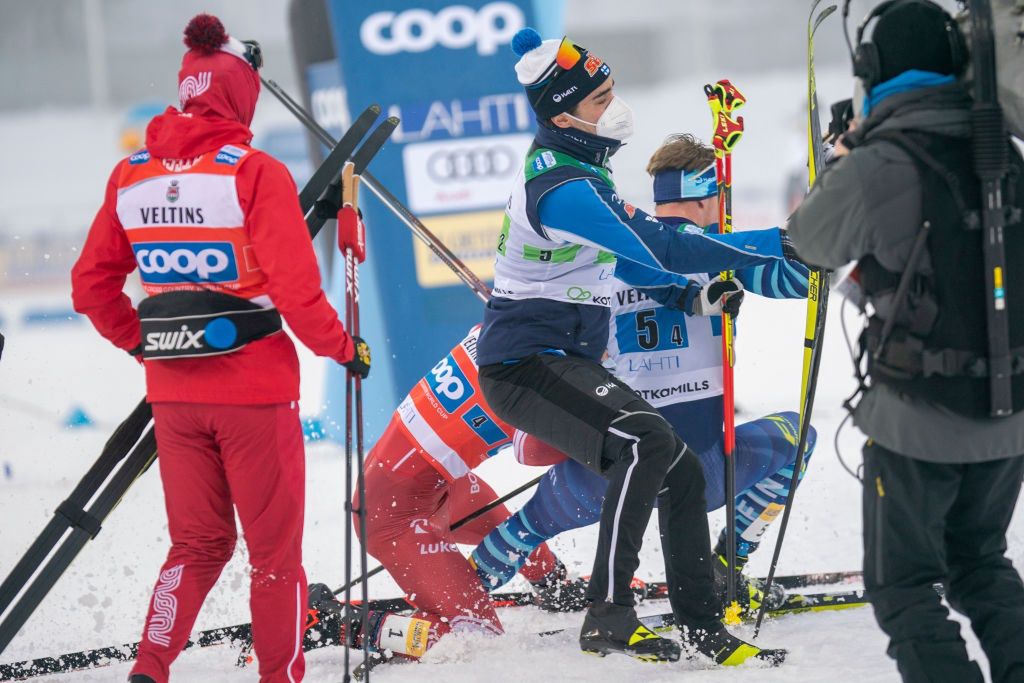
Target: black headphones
(866,62)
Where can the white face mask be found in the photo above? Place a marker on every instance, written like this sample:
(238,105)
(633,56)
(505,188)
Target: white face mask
(616,122)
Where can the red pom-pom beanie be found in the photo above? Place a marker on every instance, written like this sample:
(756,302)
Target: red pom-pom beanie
(215,78)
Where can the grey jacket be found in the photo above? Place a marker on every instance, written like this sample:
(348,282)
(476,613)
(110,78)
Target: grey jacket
(869,202)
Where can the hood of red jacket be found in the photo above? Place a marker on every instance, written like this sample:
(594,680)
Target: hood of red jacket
(174,135)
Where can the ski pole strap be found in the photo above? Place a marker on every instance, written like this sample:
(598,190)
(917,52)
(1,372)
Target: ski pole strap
(78,518)
(206,323)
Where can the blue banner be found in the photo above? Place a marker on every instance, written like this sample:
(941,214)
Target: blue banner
(447,71)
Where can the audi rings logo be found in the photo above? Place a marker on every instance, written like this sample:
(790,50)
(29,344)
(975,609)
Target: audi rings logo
(471,163)
(578,294)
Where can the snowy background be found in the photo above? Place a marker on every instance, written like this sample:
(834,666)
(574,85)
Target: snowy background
(54,161)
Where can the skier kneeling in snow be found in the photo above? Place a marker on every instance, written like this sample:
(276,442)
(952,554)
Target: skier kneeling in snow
(419,481)
(941,477)
(665,343)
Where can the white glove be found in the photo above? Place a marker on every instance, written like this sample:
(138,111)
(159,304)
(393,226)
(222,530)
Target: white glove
(719,295)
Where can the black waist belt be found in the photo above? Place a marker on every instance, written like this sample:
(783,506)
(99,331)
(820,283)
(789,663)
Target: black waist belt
(196,324)
(905,357)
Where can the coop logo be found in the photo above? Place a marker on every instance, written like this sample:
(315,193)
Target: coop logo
(174,262)
(456,27)
(449,384)
(193,86)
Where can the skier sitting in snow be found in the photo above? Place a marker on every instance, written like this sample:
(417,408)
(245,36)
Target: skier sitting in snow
(546,327)
(665,343)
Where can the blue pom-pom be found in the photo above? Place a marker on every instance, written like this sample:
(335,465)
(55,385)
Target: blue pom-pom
(525,40)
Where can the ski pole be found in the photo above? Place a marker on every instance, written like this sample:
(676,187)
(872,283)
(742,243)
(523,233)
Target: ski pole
(817,307)
(723,98)
(457,525)
(347,641)
(354,400)
(389,200)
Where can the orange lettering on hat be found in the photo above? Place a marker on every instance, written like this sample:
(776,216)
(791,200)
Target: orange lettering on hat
(592,64)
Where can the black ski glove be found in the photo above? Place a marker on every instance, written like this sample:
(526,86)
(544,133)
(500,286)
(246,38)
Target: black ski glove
(360,363)
(842,114)
(716,297)
(789,249)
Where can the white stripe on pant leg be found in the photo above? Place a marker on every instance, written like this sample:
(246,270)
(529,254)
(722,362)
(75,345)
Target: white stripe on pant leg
(299,625)
(618,510)
(165,606)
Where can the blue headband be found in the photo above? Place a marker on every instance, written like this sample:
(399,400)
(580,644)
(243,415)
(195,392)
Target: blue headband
(678,185)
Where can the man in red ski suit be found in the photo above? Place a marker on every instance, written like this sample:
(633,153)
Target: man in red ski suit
(215,228)
(419,481)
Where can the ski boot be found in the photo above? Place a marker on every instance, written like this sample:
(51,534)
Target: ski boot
(611,628)
(724,648)
(556,592)
(749,592)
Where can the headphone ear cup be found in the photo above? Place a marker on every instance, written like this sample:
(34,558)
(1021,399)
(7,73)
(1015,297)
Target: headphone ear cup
(866,64)
(958,49)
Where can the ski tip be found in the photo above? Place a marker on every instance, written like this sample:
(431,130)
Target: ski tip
(822,16)
(394,120)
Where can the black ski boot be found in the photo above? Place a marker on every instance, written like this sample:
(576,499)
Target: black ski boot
(749,591)
(140,678)
(726,649)
(556,592)
(611,628)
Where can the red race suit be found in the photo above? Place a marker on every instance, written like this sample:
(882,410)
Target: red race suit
(419,481)
(199,209)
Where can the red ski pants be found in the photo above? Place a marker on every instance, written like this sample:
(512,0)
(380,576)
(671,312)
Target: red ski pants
(213,457)
(410,509)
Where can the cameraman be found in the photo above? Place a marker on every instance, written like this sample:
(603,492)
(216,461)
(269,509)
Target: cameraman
(941,477)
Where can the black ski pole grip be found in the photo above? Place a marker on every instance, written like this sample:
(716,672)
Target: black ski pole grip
(991,152)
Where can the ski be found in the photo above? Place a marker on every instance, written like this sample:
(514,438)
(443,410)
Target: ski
(127,452)
(330,169)
(820,579)
(71,512)
(327,206)
(817,298)
(322,628)
(664,622)
(795,604)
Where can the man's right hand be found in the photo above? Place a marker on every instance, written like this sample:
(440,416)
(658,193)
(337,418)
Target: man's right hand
(360,363)
(717,296)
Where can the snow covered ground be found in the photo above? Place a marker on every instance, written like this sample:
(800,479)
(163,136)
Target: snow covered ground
(48,369)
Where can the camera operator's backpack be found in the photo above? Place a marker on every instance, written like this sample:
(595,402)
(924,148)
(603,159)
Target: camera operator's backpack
(1008,30)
